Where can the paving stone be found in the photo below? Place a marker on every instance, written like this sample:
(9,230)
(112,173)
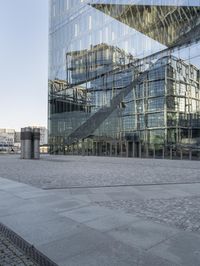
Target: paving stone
(115,253)
(62,249)
(49,231)
(109,222)
(87,213)
(142,234)
(183,249)
(10,255)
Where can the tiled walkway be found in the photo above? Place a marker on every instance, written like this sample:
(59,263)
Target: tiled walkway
(77,216)
(69,228)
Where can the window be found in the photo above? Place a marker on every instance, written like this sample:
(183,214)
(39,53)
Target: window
(155,120)
(156,88)
(76,30)
(90,22)
(156,104)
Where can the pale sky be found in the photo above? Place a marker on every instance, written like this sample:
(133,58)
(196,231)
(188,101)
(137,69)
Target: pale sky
(23,63)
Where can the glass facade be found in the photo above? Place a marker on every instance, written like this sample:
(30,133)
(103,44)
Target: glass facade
(123,75)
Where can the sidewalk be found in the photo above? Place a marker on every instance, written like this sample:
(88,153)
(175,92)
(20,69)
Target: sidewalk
(69,228)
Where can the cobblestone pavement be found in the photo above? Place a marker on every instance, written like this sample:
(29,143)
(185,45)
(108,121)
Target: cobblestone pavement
(183,212)
(10,255)
(80,171)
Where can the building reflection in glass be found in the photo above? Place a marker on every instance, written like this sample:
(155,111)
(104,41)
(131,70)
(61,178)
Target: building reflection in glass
(123,78)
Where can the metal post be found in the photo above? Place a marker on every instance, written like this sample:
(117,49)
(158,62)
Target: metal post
(27,143)
(36,143)
(22,143)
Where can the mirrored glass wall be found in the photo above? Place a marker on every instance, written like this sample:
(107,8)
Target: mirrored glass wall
(124,77)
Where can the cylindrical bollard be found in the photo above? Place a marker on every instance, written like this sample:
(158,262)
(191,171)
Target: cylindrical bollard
(27,143)
(22,143)
(36,143)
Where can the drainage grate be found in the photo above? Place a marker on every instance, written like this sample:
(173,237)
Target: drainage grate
(27,248)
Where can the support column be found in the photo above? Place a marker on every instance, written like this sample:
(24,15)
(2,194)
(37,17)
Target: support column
(170,153)
(106,148)
(83,148)
(93,149)
(110,149)
(140,150)
(87,148)
(133,152)
(100,148)
(190,154)
(116,149)
(154,152)
(147,150)
(121,148)
(163,152)
(96,148)
(127,148)
(181,153)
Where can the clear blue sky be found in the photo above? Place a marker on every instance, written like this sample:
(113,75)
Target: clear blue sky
(23,63)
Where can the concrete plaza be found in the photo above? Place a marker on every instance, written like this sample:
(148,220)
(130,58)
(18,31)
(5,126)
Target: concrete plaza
(104,211)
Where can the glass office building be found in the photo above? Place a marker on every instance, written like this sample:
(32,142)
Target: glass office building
(124,77)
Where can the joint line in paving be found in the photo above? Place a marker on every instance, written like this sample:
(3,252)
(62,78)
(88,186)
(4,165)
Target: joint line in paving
(122,185)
